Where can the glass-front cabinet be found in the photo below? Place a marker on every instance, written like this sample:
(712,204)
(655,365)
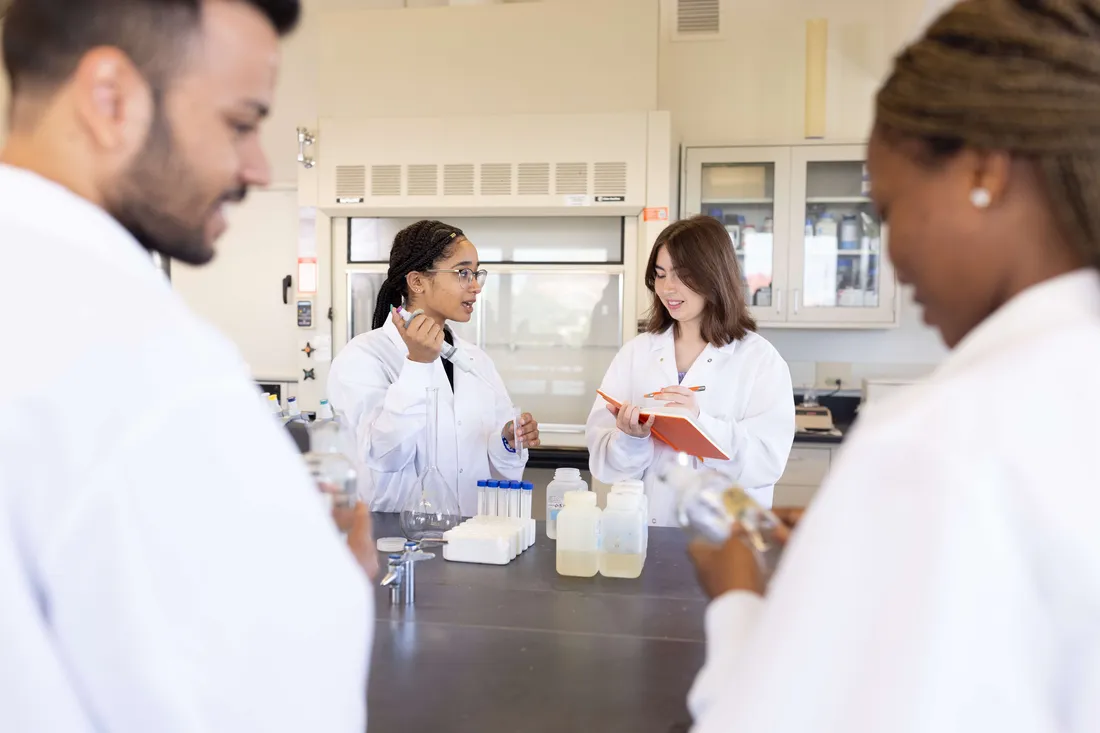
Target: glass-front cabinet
(810,244)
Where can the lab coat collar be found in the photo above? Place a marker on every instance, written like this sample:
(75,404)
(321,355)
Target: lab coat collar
(40,205)
(1064,300)
(663,345)
(666,342)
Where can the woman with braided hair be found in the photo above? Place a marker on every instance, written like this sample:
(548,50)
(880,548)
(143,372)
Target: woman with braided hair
(947,577)
(378,382)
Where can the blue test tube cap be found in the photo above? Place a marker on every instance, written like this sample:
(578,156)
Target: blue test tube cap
(515,485)
(528,486)
(410,545)
(492,483)
(482,482)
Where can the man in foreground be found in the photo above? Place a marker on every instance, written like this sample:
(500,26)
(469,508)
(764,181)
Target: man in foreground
(165,560)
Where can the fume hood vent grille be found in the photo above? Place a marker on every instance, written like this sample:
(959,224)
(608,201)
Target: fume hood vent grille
(385,180)
(534,179)
(496,179)
(697,19)
(423,180)
(351,182)
(571,178)
(610,179)
(458,179)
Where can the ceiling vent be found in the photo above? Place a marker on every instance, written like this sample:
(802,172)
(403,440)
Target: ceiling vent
(351,183)
(496,179)
(458,179)
(610,179)
(385,180)
(571,179)
(697,20)
(534,179)
(423,180)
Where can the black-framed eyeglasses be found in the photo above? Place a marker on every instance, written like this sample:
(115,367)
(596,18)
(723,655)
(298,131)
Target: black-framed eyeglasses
(466,276)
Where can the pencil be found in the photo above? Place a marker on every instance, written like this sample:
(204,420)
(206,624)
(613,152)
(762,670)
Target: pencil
(693,389)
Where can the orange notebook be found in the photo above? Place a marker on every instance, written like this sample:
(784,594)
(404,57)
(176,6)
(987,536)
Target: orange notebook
(679,430)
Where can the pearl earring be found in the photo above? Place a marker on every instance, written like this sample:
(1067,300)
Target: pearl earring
(981,198)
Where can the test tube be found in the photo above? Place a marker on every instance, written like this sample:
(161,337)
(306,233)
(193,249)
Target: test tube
(482,498)
(515,499)
(528,493)
(517,439)
(503,504)
(491,497)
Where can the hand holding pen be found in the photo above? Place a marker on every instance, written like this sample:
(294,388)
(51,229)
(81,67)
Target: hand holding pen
(677,396)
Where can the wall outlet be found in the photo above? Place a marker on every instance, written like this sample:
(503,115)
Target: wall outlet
(828,374)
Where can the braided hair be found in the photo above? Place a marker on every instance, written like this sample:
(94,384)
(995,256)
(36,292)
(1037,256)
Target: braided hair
(415,249)
(1020,76)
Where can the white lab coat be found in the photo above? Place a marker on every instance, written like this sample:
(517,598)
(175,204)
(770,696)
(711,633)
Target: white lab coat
(382,396)
(747,407)
(165,561)
(947,577)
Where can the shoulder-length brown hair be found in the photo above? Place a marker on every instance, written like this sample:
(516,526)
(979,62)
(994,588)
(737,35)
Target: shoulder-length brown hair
(702,253)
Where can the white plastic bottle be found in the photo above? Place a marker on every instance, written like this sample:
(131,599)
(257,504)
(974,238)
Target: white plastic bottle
(565,480)
(636,488)
(325,413)
(622,543)
(579,528)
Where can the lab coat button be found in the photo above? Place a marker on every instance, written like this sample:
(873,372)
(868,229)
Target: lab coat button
(460,423)
(460,470)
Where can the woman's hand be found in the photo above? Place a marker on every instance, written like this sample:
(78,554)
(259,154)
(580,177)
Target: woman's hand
(528,432)
(628,418)
(677,396)
(422,336)
(733,566)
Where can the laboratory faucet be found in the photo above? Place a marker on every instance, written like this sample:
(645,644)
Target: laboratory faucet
(400,575)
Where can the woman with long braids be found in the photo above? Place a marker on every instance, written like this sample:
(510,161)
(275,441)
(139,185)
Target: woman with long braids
(378,382)
(947,577)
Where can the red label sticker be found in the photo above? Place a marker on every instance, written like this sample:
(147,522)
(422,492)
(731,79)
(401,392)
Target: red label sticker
(656,214)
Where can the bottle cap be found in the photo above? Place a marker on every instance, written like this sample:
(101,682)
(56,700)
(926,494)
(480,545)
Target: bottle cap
(528,486)
(492,483)
(482,482)
(580,498)
(515,485)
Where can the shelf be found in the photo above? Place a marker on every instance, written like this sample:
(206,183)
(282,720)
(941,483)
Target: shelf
(742,202)
(838,200)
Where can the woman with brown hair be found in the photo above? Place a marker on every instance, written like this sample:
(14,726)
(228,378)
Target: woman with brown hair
(947,576)
(700,352)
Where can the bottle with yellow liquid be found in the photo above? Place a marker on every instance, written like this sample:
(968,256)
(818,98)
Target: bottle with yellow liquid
(579,533)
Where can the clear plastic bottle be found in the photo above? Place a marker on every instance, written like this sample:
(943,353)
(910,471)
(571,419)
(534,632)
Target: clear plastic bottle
(710,506)
(565,480)
(622,543)
(330,464)
(432,506)
(325,411)
(293,412)
(636,488)
(579,528)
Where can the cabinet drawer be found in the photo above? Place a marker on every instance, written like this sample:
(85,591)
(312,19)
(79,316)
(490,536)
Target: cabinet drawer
(806,467)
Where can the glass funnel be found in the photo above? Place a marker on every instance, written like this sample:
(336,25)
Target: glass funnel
(431,507)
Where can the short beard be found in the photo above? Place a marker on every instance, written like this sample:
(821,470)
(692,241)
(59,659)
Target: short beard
(155,195)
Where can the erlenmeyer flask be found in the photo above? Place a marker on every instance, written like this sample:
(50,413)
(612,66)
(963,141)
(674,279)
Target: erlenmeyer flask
(431,507)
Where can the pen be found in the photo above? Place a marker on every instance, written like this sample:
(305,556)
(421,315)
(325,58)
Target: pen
(692,389)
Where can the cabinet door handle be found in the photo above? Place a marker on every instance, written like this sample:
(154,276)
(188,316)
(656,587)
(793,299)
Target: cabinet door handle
(797,292)
(779,301)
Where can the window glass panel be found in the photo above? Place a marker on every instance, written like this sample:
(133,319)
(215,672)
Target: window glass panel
(578,239)
(742,197)
(842,239)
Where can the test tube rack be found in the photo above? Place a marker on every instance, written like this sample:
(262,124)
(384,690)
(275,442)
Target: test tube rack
(492,537)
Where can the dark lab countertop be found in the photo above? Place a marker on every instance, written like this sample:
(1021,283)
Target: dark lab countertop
(520,648)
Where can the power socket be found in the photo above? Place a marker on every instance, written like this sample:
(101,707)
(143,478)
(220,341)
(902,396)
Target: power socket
(833,375)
